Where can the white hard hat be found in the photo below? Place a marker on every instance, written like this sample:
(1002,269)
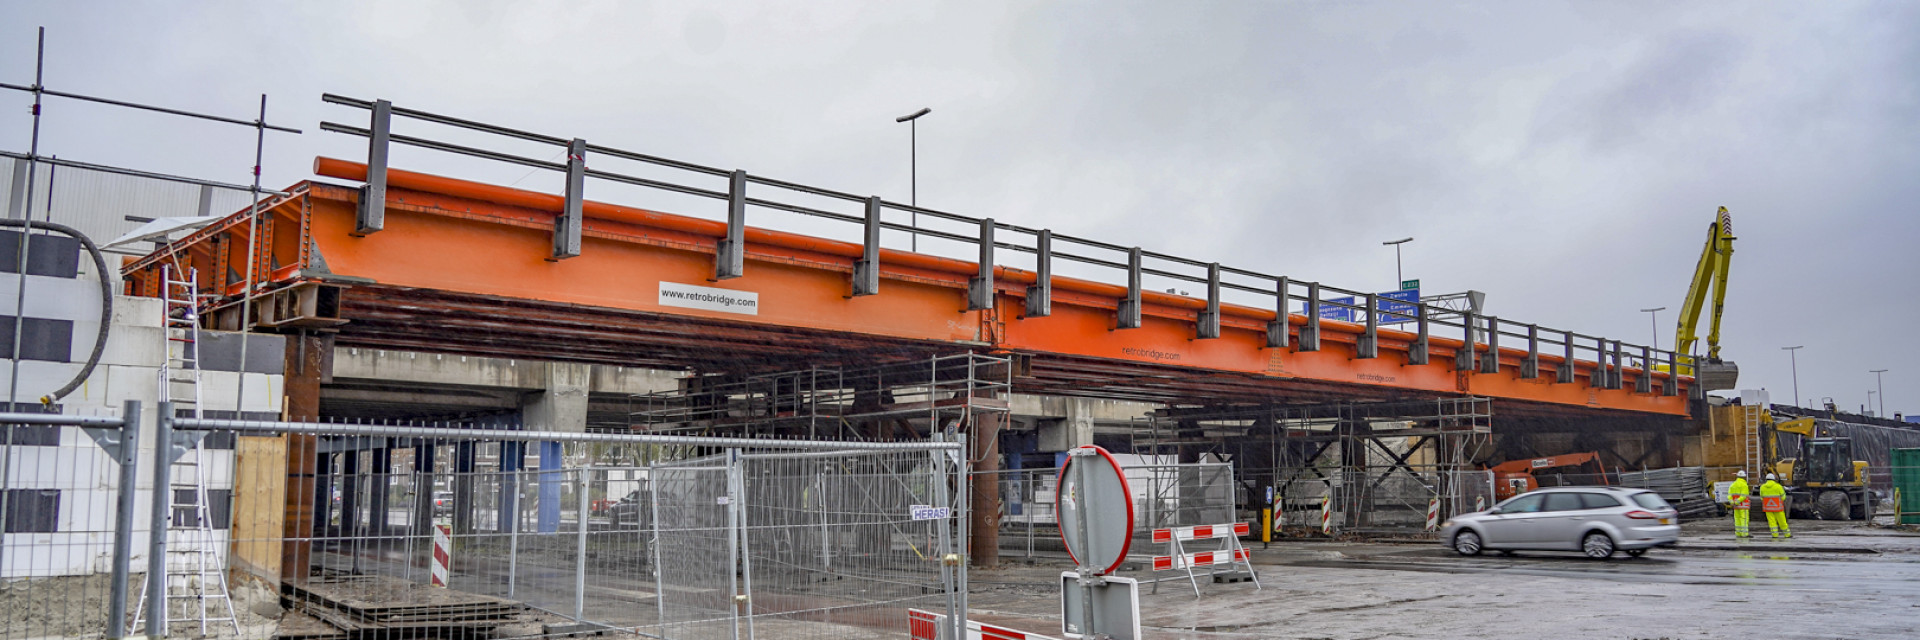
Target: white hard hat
(1769,476)
(1740,474)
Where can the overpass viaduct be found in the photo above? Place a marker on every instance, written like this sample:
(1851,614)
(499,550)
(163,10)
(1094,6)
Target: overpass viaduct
(411,295)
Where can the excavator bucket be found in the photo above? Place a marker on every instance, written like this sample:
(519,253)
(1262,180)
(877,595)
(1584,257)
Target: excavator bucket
(1716,376)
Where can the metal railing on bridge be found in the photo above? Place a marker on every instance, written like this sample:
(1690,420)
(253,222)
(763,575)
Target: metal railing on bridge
(830,213)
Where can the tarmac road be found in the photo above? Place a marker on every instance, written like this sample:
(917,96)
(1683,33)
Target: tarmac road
(1834,580)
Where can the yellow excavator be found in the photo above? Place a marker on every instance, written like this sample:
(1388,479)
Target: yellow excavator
(1711,274)
(1822,478)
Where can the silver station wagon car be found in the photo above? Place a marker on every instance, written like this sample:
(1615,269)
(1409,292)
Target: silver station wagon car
(1596,521)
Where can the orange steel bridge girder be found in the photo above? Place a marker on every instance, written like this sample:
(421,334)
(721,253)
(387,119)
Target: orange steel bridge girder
(463,237)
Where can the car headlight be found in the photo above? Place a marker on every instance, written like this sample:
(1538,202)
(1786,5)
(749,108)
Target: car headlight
(1446,524)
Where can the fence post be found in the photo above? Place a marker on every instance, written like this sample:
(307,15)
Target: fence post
(157,524)
(659,580)
(580,550)
(513,533)
(123,519)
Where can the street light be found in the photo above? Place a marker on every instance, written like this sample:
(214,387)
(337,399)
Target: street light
(1883,389)
(1794,353)
(1396,259)
(913,163)
(1655,319)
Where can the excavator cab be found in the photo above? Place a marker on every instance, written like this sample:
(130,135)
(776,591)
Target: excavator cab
(1826,462)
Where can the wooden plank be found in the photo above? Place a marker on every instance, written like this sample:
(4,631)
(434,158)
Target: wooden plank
(259,505)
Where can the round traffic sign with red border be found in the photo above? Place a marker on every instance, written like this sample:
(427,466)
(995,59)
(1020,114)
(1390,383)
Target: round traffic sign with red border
(1094,509)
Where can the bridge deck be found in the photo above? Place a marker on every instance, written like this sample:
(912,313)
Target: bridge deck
(462,267)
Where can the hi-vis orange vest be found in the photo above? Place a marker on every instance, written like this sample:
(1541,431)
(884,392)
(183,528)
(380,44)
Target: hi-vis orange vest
(1737,495)
(1773,497)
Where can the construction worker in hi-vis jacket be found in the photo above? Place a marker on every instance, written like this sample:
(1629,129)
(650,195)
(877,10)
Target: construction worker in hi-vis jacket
(1738,502)
(1773,500)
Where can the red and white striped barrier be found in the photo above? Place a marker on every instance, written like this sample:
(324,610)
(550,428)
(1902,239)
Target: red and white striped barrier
(1199,559)
(1200,532)
(442,553)
(925,625)
(1433,514)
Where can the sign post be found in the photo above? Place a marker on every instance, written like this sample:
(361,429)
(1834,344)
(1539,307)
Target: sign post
(1095,511)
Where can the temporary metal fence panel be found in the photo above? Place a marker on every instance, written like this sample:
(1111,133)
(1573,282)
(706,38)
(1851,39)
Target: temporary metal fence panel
(712,538)
(70,505)
(1164,495)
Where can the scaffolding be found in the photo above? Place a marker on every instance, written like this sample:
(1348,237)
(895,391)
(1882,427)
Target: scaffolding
(1380,465)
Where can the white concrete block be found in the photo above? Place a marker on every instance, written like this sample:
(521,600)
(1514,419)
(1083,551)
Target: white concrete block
(131,383)
(37,378)
(131,311)
(49,297)
(126,345)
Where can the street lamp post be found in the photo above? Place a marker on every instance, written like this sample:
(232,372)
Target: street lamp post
(1654,317)
(1882,383)
(1397,273)
(913,170)
(1794,353)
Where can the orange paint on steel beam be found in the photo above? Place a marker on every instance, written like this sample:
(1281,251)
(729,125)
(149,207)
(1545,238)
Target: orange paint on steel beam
(417,250)
(801,282)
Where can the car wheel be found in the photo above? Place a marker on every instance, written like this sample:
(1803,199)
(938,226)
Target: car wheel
(1466,543)
(1597,545)
(1635,553)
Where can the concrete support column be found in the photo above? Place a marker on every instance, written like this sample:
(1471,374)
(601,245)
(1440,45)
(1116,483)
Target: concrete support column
(562,404)
(983,544)
(1073,430)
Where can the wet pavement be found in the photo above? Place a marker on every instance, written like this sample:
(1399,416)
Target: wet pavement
(1832,580)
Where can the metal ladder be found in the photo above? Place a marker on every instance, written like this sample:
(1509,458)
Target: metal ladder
(195,572)
(1750,440)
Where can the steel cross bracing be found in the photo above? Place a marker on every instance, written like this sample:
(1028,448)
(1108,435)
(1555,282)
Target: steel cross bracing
(905,399)
(403,278)
(1380,464)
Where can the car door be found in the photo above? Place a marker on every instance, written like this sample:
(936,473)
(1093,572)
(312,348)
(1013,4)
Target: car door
(1561,521)
(1511,527)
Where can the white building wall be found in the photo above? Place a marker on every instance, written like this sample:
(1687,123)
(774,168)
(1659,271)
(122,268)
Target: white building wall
(85,478)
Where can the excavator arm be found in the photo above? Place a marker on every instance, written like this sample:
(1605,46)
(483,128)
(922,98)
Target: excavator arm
(1709,278)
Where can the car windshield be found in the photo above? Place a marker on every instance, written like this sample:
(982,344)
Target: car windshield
(1651,501)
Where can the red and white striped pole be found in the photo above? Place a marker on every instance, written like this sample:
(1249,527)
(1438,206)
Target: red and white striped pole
(1433,514)
(1326,513)
(442,552)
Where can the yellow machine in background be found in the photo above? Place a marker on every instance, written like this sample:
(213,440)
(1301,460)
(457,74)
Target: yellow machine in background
(1822,478)
(1711,274)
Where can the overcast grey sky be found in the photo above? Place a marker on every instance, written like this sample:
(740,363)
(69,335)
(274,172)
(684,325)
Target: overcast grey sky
(1565,158)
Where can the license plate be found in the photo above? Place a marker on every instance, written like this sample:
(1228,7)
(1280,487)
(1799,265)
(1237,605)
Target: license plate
(1666,521)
